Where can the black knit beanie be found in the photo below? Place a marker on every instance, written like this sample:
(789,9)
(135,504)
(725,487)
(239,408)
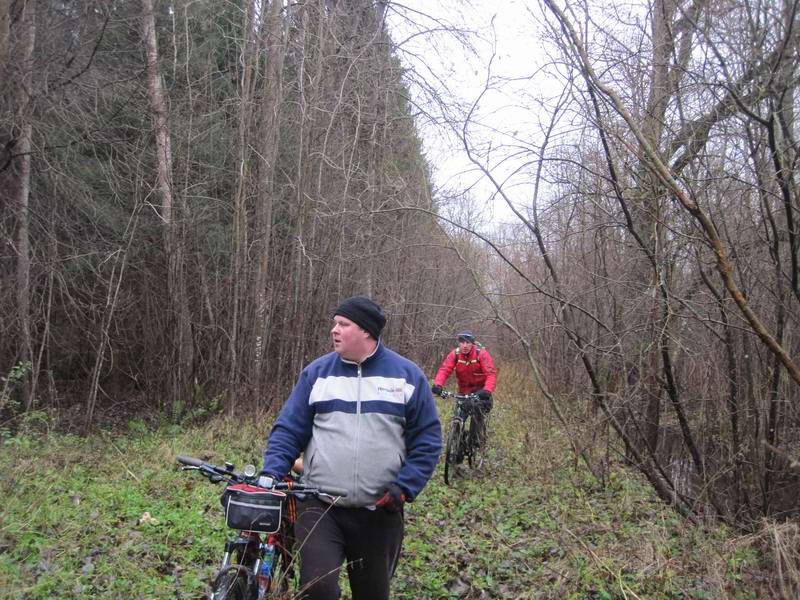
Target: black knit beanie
(363,312)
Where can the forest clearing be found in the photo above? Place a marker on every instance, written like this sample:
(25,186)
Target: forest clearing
(112,516)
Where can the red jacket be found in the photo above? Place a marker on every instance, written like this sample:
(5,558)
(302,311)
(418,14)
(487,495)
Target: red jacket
(474,372)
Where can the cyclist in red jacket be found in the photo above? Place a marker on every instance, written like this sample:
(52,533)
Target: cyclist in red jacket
(475,371)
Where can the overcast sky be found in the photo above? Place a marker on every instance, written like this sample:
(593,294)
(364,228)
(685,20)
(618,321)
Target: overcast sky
(503,33)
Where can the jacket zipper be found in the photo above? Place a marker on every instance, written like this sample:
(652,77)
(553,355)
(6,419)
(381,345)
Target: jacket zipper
(358,434)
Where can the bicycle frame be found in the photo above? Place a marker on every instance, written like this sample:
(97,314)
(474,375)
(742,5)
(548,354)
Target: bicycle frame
(460,440)
(243,558)
(246,554)
(240,576)
(464,407)
(249,551)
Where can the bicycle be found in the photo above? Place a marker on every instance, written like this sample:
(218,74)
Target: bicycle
(258,562)
(464,441)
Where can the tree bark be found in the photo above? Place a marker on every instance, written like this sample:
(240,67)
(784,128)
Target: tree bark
(20,94)
(5,36)
(179,325)
(271,110)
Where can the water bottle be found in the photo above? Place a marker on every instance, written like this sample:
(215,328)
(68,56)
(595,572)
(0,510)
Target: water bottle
(265,571)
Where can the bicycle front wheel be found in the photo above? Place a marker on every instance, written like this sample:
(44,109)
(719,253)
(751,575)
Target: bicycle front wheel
(453,450)
(233,583)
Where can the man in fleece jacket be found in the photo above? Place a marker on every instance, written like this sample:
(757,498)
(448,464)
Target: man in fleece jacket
(365,420)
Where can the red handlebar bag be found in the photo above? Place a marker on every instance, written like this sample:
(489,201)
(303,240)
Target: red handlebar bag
(250,508)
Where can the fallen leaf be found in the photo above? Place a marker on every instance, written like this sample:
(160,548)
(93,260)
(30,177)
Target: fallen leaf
(146,519)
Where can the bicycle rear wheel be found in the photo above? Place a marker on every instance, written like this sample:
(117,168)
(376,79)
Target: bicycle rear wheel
(233,583)
(453,450)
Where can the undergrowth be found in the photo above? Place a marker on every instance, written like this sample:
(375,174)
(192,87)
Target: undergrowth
(112,516)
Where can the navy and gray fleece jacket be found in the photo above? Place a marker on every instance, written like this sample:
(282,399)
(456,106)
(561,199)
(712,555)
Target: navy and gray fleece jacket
(360,426)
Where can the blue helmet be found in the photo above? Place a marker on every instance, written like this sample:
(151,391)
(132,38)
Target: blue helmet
(466,336)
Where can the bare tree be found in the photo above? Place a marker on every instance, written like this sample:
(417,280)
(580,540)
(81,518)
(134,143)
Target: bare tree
(656,245)
(179,342)
(17,46)
(196,225)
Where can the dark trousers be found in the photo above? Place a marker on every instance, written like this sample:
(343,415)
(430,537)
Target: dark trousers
(480,414)
(369,541)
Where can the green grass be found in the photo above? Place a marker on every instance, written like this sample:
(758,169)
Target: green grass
(531,524)
(506,533)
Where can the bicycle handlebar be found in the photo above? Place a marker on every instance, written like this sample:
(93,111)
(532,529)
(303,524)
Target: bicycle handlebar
(217,474)
(188,460)
(449,394)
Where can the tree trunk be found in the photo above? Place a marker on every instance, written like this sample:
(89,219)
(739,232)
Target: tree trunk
(20,93)
(5,36)
(247,56)
(179,331)
(268,153)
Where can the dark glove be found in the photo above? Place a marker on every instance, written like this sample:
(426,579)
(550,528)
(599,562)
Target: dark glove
(437,389)
(393,498)
(486,399)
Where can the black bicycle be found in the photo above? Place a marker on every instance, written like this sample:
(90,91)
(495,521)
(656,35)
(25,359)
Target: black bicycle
(466,439)
(258,562)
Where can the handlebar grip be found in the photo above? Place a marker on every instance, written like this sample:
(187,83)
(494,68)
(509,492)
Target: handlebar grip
(283,486)
(188,460)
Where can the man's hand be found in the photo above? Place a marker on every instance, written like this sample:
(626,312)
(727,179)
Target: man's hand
(393,498)
(437,389)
